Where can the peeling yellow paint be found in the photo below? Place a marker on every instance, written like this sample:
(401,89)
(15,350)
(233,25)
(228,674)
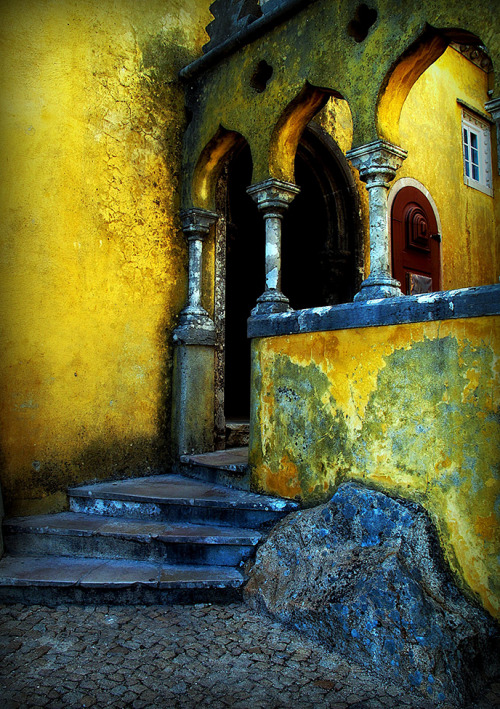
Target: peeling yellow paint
(410,409)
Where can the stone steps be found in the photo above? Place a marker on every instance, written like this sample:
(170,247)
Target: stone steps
(229,467)
(50,580)
(99,537)
(158,539)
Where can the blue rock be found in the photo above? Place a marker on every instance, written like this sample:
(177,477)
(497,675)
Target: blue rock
(379,592)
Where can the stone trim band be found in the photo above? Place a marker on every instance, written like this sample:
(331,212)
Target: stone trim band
(428,307)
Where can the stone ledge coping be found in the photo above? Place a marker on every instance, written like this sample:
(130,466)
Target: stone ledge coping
(428,307)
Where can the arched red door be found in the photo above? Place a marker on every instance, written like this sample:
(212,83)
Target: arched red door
(416,249)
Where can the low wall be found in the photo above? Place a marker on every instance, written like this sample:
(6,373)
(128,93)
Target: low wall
(401,394)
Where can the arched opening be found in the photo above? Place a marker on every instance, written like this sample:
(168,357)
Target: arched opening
(407,69)
(322,241)
(322,249)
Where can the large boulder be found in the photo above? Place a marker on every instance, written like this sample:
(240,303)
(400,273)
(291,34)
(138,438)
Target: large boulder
(364,573)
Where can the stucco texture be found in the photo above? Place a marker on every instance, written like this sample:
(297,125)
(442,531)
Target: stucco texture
(409,409)
(93,264)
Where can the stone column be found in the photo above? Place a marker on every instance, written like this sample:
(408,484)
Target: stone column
(272,198)
(194,321)
(493,107)
(194,353)
(377,164)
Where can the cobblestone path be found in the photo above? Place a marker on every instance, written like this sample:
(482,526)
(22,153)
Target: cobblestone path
(178,657)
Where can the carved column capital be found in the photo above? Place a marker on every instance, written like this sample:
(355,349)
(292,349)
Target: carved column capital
(493,107)
(377,162)
(273,195)
(196,222)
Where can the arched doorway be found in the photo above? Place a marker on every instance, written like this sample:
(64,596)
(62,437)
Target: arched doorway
(322,241)
(415,240)
(321,259)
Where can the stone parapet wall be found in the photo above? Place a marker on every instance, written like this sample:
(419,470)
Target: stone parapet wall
(408,407)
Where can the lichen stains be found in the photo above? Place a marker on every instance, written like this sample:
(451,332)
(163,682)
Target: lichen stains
(312,432)
(412,410)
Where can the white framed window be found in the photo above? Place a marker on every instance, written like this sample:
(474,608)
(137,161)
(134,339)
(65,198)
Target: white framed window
(476,143)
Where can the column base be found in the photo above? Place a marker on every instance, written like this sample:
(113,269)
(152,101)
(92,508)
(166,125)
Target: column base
(193,399)
(271,301)
(195,327)
(375,287)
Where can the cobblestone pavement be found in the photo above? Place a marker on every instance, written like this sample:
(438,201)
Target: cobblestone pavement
(178,657)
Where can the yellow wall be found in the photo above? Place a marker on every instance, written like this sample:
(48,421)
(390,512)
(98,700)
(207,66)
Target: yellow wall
(411,409)
(92,265)
(430,129)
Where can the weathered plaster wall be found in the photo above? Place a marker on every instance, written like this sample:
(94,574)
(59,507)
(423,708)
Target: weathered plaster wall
(431,131)
(92,266)
(410,409)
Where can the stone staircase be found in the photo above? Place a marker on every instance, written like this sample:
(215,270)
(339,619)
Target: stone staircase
(159,539)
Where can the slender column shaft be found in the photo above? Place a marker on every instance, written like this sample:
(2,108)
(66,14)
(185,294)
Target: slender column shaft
(377,164)
(493,107)
(195,271)
(273,251)
(379,244)
(272,198)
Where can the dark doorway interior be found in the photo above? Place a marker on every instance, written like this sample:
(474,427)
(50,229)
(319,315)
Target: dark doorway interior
(321,250)
(320,243)
(245,249)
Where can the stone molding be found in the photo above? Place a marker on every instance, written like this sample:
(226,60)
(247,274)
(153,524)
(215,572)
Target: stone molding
(427,307)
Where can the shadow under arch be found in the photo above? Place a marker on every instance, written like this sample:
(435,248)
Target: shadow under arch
(322,261)
(407,69)
(210,165)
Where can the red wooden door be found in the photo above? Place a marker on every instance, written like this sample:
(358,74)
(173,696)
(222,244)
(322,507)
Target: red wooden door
(416,251)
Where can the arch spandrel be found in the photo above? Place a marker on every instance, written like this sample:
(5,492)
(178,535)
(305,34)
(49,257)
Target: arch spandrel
(314,46)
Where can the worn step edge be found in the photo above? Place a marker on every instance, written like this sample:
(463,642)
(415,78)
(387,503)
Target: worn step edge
(97,573)
(220,476)
(84,525)
(125,595)
(209,495)
(177,514)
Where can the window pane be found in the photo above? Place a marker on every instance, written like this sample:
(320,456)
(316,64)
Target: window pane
(474,155)
(466,152)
